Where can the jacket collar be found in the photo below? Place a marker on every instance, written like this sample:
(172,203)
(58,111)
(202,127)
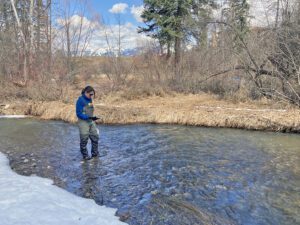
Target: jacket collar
(86,98)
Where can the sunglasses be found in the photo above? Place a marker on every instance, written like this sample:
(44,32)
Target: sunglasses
(90,94)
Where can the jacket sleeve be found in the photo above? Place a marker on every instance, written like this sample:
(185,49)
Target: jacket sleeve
(79,110)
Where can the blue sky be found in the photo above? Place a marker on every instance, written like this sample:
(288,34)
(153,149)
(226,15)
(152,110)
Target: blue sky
(103,7)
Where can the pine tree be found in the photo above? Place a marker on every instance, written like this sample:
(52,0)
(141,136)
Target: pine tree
(198,26)
(153,17)
(237,16)
(164,21)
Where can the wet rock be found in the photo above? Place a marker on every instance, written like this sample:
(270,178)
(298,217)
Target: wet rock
(123,214)
(156,173)
(171,191)
(187,196)
(146,198)
(87,195)
(175,170)
(221,187)
(155,192)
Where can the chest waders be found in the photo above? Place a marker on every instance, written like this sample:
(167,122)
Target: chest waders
(88,130)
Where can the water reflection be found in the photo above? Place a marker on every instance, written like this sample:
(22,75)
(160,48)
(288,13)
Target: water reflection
(90,185)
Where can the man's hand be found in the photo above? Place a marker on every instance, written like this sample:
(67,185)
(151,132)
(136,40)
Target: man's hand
(94,118)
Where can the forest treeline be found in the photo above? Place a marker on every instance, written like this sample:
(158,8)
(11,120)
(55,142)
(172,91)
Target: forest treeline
(196,46)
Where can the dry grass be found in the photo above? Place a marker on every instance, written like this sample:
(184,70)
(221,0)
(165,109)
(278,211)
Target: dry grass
(198,110)
(53,111)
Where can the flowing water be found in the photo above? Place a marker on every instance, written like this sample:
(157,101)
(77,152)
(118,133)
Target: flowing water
(163,174)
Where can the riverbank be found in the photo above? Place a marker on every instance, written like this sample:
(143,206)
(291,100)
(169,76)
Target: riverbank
(196,110)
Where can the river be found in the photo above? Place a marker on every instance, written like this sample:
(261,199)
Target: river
(167,174)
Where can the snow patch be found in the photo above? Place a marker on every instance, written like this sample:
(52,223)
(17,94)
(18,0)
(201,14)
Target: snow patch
(36,201)
(12,116)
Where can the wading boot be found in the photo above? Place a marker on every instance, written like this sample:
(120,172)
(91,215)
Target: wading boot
(86,158)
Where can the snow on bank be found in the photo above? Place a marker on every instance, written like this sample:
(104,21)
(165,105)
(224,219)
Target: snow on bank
(36,201)
(12,116)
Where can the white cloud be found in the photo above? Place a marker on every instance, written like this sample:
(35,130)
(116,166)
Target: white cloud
(130,38)
(75,22)
(101,34)
(262,12)
(118,8)
(137,11)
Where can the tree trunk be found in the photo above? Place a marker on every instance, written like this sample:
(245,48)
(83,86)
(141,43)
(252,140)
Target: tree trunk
(169,50)
(203,37)
(38,32)
(177,50)
(49,34)
(277,14)
(177,57)
(23,40)
(298,14)
(31,30)
(161,48)
(5,16)
(68,46)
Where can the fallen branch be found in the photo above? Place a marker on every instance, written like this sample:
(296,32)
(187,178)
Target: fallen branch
(222,72)
(258,72)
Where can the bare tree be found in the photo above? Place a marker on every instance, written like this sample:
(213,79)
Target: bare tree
(77,30)
(24,42)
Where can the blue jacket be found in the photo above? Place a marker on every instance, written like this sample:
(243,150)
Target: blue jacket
(80,104)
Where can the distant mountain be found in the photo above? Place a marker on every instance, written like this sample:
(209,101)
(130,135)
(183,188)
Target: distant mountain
(132,52)
(125,52)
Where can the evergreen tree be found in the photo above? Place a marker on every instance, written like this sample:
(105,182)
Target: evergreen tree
(198,26)
(154,16)
(237,16)
(164,21)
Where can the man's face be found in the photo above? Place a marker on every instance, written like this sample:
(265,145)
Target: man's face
(90,95)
